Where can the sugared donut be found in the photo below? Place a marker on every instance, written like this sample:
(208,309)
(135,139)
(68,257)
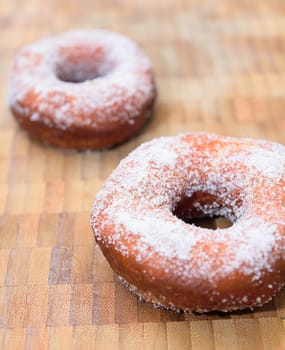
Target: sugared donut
(82,89)
(140,221)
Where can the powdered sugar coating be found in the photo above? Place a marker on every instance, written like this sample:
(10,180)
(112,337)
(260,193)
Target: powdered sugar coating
(42,81)
(133,213)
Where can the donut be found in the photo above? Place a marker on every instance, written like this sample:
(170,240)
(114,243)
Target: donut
(82,89)
(142,216)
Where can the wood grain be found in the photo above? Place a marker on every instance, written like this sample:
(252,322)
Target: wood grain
(220,67)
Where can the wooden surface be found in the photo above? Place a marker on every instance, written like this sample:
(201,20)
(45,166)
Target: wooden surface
(220,67)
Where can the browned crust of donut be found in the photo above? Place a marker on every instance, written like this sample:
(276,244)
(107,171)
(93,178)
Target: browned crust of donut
(150,298)
(162,290)
(83,137)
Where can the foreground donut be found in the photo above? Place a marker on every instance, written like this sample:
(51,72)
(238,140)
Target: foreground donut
(83,89)
(139,220)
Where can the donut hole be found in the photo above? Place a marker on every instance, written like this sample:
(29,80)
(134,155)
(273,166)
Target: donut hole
(212,223)
(205,210)
(82,63)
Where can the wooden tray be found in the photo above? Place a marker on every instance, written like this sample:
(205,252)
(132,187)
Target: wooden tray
(220,67)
